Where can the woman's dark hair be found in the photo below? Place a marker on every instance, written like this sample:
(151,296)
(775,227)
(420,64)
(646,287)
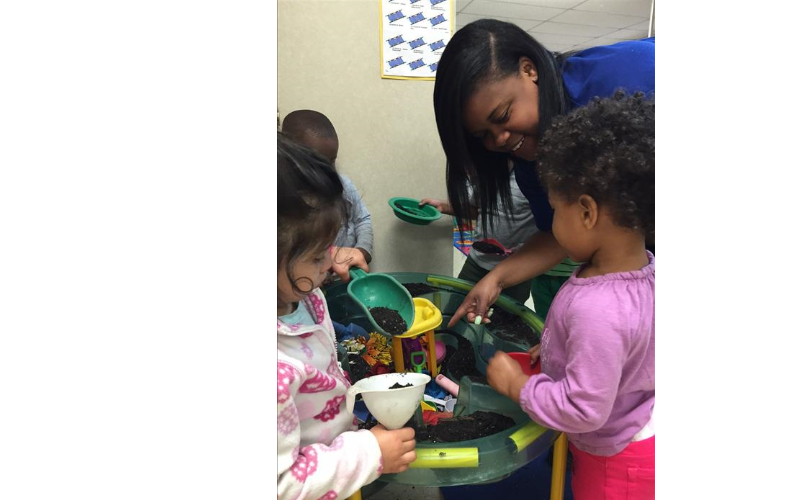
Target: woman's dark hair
(310,205)
(485,51)
(606,149)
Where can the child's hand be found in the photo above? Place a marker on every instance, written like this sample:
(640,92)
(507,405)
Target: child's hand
(505,375)
(397,448)
(344,258)
(534,352)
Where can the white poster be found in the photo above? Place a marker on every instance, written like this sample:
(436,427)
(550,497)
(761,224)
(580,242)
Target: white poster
(413,35)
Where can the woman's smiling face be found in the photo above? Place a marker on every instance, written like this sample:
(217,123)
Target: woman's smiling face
(504,114)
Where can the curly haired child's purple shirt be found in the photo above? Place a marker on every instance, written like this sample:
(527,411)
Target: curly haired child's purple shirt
(598,381)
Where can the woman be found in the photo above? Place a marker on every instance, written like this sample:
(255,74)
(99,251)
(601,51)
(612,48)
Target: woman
(497,90)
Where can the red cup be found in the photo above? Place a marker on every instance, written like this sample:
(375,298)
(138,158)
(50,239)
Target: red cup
(524,360)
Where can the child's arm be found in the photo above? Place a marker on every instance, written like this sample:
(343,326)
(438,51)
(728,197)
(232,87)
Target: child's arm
(540,253)
(364,232)
(597,347)
(361,220)
(315,470)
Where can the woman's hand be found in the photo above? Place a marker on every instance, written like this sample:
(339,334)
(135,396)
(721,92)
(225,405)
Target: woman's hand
(439,205)
(478,300)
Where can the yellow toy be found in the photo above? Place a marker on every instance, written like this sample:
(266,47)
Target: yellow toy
(427,318)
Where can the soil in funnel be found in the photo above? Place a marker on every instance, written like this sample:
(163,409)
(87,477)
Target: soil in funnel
(398,385)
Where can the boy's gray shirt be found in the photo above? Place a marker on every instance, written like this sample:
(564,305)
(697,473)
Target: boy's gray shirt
(357,232)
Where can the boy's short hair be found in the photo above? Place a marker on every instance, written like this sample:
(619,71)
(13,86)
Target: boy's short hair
(302,122)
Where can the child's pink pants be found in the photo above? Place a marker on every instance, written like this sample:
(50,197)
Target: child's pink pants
(628,475)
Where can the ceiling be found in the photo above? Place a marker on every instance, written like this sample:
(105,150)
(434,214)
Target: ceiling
(562,25)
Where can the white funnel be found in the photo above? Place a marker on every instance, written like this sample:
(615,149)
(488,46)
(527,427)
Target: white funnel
(391,407)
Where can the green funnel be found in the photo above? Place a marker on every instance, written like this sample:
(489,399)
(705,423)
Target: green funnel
(380,290)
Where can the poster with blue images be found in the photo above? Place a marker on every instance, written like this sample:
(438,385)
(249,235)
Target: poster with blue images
(414,34)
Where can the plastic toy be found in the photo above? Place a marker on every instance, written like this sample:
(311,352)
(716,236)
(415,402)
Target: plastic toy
(408,210)
(391,407)
(380,290)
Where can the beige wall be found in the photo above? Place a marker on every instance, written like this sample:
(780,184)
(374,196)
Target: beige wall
(329,61)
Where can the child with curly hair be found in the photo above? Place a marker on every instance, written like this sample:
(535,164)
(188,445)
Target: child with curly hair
(598,346)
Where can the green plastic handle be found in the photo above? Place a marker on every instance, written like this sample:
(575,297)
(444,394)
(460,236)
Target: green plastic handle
(356,273)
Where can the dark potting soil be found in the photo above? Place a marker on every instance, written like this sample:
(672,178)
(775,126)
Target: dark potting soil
(485,247)
(511,328)
(359,368)
(417,289)
(398,385)
(477,425)
(413,211)
(459,362)
(478,379)
(389,319)
(451,430)
(448,355)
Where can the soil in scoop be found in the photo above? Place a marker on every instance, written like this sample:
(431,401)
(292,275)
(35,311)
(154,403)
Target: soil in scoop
(511,328)
(477,425)
(398,385)
(389,319)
